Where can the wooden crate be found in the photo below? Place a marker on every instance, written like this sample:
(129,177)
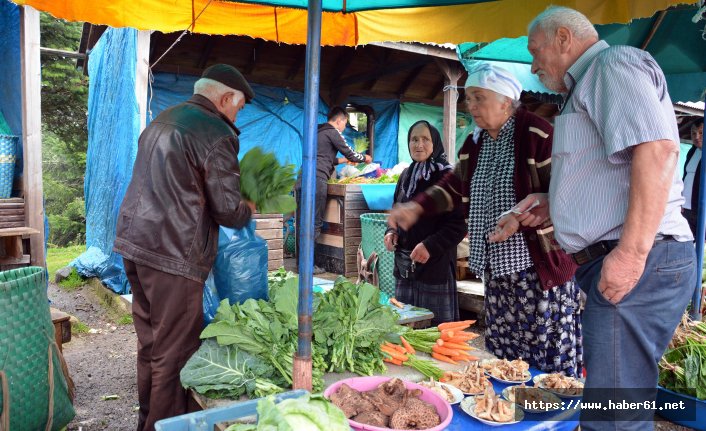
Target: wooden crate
(270,228)
(337,246)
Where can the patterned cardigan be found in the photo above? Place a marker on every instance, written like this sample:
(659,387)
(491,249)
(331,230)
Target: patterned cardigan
(533,139)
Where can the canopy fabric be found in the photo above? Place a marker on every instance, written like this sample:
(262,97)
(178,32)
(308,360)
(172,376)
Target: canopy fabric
(475,20)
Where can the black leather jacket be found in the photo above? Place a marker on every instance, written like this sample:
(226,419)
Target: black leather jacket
(185,182)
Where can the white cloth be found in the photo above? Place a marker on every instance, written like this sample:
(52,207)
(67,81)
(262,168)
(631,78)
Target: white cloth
(491,77)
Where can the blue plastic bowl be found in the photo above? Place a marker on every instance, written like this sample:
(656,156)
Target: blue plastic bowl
(378,196)
(678,417)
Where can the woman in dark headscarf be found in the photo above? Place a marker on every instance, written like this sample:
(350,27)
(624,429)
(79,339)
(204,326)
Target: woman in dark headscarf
(425,256)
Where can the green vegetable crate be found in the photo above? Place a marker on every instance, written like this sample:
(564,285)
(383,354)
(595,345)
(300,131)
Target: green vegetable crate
(206,420)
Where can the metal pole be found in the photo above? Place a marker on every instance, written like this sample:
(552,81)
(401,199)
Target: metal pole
(301,372)
(700,232)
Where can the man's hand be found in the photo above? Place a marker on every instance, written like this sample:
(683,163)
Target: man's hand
(368,159)
(620,273)
(536,215)
(341,160)
(404,215)
(251,205)
(420,253)
(391,241)
(506,227)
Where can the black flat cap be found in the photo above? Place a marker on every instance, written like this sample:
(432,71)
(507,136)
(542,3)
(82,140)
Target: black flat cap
(230,76)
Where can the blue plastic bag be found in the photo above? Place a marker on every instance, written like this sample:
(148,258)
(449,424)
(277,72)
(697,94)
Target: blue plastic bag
(240,270)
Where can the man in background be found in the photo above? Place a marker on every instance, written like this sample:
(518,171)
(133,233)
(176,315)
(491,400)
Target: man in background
(330,142)
(692,175)
(185,183)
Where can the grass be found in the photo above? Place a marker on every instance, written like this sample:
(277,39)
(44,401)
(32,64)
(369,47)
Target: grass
(73,281)
(59,257)
(125,319)
(79,328)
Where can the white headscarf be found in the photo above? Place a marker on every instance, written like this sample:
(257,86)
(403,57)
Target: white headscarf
(491,77)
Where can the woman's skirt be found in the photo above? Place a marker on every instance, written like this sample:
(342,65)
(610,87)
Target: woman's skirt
(440,299)
(542,327)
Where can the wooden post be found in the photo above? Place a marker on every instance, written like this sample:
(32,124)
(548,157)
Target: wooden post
(32,131)
(142,75)
(452,72)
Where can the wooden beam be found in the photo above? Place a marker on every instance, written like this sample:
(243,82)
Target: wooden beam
(386,70)
(653,29)
(253,57)
(142,70)
(435,89)
(382,60)
(343,62)
(205,53)
(32,131)
(402,89)
(452,72)
(430,50)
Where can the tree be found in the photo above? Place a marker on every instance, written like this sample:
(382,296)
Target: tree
(64,132)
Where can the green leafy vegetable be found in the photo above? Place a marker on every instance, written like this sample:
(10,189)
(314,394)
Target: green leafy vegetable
(361,144)
(349,325)
(306,413)
(267,183)
(683,365)
(228,372)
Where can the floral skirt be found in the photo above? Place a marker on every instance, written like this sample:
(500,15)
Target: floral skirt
(542,327)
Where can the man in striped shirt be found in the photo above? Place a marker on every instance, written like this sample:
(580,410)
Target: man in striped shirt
(615,202)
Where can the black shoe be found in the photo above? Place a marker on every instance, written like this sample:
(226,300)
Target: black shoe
(318,270)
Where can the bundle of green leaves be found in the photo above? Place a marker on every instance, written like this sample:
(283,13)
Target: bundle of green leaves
(309,412)
(361,144)
(683,365)
(349,325)
(229,372)
(267,183)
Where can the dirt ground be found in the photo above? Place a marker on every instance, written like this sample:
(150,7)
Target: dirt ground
(102,364)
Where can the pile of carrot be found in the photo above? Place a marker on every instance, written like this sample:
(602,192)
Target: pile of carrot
(406,355)
(452,345)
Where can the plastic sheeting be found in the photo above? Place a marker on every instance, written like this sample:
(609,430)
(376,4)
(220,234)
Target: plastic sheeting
(113,130)
(11,82)
(410,113)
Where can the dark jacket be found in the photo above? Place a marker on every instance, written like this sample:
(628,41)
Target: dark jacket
(185,182)
(330,143)
(533,148)
(697,179)
(440,234)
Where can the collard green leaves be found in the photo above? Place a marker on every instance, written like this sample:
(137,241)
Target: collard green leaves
(267,183)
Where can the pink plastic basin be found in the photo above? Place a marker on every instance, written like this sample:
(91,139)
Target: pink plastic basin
(369,383)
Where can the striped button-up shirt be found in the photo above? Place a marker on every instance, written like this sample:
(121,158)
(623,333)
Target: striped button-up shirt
(617,99)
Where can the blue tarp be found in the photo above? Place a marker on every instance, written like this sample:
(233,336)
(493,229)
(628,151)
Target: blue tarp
(113,129)
(11,82)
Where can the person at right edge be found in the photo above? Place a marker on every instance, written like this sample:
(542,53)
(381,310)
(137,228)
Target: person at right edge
(330,141)
(614,199)
(692,175)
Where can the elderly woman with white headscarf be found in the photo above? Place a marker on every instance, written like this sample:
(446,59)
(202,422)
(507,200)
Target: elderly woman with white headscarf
(531,302)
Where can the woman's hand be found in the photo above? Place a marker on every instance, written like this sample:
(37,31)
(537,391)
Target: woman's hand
(391,241)
(507,226)
(537,215)
(404,215)
(420,253)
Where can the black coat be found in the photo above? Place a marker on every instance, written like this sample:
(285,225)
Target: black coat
(697,179)
(440,235)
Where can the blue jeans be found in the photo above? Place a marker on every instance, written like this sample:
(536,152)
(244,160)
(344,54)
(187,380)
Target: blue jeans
(624,342)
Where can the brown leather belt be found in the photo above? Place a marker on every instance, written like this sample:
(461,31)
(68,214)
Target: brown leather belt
(601,248)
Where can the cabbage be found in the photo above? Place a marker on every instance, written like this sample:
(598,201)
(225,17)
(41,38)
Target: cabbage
(306,413)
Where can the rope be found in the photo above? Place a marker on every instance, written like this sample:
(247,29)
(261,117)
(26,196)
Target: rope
(5,414)
(178,39)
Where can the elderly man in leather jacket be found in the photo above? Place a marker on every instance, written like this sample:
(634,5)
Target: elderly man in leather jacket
(185,182)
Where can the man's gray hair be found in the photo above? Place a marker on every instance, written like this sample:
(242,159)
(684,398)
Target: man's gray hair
(214,90)
(554,17)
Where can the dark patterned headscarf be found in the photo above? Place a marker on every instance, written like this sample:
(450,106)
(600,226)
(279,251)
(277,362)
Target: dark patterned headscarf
(420,172)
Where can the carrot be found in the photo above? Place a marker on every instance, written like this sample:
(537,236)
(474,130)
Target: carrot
(445,335)
(393,361)
(457,346)
(457,340)
(466,335)
(443,358)
(449,325)
(466,357)
(444,351)
(394,354)
(407,346)
(439,342)
(396,347)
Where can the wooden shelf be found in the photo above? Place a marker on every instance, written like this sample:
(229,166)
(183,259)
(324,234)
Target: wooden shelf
(17,231)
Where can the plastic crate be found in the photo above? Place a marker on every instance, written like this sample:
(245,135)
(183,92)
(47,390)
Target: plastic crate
(206,420)
(373,227)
